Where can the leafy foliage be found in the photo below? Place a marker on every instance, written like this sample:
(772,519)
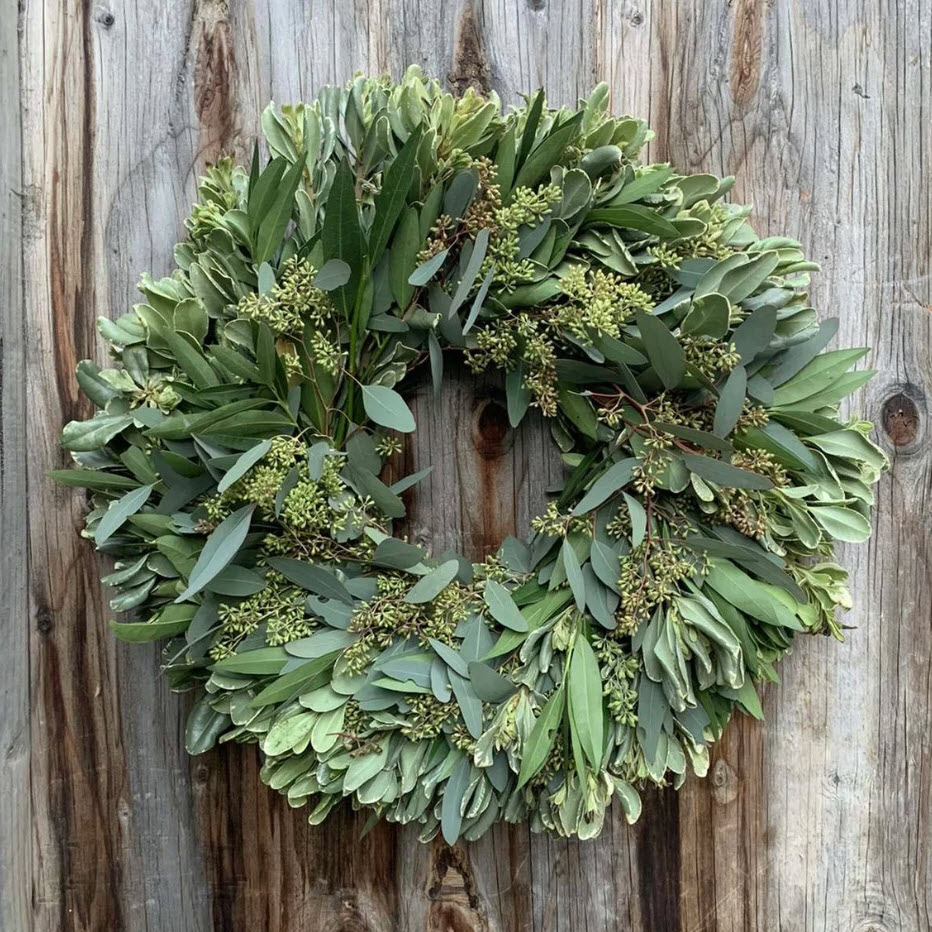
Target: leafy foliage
(236,460)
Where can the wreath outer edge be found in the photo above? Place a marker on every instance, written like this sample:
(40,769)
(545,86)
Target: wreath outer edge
(243,467)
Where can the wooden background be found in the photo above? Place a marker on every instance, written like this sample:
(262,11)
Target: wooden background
(821,818)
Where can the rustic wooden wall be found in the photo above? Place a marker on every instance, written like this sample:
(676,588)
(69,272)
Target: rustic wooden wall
(819,819)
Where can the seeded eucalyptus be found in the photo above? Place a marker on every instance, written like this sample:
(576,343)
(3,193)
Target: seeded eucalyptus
(237,459)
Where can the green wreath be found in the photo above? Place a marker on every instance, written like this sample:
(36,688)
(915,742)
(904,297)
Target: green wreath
(238,459)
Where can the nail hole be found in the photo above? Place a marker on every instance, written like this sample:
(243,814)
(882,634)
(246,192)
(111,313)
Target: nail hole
(106,19)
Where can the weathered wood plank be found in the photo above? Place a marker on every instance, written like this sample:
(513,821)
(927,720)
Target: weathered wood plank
(817,113)
(15,207)
(818,819)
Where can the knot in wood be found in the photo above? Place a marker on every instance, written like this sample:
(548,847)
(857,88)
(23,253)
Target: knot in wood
(724,783)
(492,434)
(900,419)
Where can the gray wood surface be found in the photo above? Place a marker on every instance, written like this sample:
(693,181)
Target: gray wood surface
(821,818)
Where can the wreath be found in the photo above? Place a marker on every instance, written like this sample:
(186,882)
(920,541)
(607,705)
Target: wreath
(241,462)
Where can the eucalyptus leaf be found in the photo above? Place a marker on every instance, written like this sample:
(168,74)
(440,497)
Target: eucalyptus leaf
(387,408)
(119,511)
(220,548)
(430,586)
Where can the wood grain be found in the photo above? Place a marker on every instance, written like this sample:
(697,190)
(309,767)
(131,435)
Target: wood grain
(821,818)
(15,739)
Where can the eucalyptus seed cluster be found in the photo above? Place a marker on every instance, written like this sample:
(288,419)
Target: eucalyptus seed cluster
(750,512)
(292,303)
(483,212)
(619,669)
(526,207)
(649,577)
(599,302)
(261,484)
(387,616)
(321,518)
(659,261)
(280,607)
(523,338)
(555,523)
(710,356)
(653,464)
(427,717)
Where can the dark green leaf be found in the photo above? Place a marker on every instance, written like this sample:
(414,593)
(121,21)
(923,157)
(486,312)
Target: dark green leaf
(529,133)
(478,300)
(547,154)
(613,480)
(204,727)
(407,481)
(502,607)
(604,561)
(427,270)
(638,518)
(431,585)
(574,574)
(755,334)
(708,316)
(454,791)
(468,701)
(291,684)
(730,402)
(435,351)
(243,464)
(489,685)
(632,217)
(451,657)
(390,201)
(471,273)
(369,485)
(517,395)
(792,360)
(652,709)
(665,354)
(264,661)
(578,411)
(119,511)
(221,547)
(700,438)
(406,245)
(817,376)
(169,622)
(342,236)
(724,474)
(85,436)
(237,581)
(272,225)
(397,554)
(333,275)
(540,741)
(460,193)
(584,692)
(314,578)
